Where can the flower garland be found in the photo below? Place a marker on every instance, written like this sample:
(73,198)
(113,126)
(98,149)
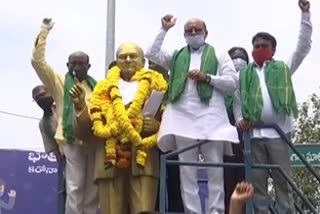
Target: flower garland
(120,125)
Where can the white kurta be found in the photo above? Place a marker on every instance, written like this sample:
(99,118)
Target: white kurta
(189,117)
(269,115)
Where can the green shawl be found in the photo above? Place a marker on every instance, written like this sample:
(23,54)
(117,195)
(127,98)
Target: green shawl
(68,106)
(179,73)
(47,127)
(279,84)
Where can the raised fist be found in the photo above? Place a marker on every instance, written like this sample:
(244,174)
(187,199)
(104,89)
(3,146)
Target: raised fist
(168,22)
(304,5)
(47,23)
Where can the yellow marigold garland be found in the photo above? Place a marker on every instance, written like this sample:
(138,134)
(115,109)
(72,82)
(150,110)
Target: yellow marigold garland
(123,125)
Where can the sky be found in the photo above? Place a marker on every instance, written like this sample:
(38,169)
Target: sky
(81,25)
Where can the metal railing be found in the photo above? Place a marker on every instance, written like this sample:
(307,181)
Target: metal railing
(248,166)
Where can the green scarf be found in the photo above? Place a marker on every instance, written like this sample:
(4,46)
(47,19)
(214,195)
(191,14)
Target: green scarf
(279,84)
(180,68)
(68,106)
(48,130)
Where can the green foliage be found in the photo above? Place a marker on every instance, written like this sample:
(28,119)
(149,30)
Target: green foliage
(307,130)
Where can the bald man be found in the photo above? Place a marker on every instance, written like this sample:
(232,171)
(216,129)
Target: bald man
(81,190)
(199,78)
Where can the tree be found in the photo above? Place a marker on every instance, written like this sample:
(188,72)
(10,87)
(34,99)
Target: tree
(307,130)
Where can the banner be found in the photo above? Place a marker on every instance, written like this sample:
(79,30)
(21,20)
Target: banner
(30,182)
(311,152)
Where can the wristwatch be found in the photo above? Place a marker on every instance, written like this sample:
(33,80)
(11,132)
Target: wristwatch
(208,79)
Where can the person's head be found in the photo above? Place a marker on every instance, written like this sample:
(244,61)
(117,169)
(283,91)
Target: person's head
(2,184)
(159,68)
(195,33)
(130,58)
(78,65)
(264,47)
(239,57)
(42,98)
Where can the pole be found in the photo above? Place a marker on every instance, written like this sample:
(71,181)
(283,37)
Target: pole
(110,37)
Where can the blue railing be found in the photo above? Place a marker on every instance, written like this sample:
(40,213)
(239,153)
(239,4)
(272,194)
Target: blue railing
(248,165)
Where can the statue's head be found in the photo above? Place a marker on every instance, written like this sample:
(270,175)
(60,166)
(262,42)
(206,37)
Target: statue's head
(130,58)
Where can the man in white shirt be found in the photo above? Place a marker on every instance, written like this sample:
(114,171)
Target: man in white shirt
(267,96)
(195,109)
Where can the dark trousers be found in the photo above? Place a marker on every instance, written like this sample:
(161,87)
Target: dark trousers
(232,176)
(173,189)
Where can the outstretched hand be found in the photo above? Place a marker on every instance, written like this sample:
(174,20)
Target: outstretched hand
(77,94)
(12,193)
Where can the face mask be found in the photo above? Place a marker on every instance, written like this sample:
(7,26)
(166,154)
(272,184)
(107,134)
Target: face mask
(79,71)
(261,55)
(195,41)
(45,103)
(239,63)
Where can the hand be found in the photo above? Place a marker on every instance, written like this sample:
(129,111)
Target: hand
(150,126)
(304,5)
(168,22)
(197,75)
(47,23)
(242,193)
(12,193)
(78,95)
(243,125)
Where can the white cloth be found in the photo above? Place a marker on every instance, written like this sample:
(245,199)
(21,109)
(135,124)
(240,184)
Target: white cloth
(81,190)
(189,185)
(269,115)
(189,117)
(127,90)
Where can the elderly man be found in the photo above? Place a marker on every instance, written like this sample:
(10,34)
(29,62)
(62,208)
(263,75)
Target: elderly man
(267,96)
(195,112)
(127,162)
(81,191)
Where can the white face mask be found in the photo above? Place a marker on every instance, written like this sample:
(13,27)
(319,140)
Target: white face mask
(239,63)
(195,41)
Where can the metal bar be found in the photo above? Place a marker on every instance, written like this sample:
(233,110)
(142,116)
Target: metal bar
(300,211)
(163,183)
(247,167)
(110,34)
(175,153)
(288,179)
(272,209)
(186,163)
(297,190)
(290,144)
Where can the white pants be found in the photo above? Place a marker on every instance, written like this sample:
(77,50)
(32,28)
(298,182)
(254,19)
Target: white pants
(212,152)
(82,193)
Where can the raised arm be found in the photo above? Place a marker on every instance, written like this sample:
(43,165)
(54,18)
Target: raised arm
(46,74)
(155,53)
(304,40)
